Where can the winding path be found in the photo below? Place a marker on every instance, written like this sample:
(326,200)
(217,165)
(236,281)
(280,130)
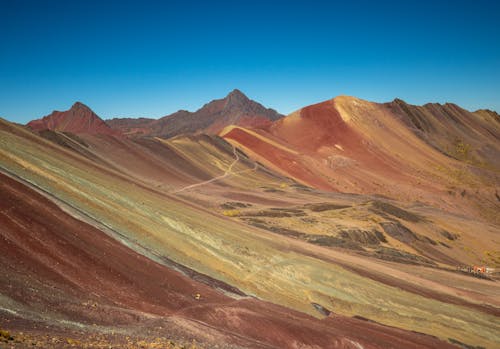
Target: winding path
(227,173)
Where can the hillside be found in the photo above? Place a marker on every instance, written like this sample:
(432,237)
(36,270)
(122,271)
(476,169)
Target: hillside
(440,155)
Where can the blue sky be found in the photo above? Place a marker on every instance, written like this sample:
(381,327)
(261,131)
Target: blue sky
(151,58)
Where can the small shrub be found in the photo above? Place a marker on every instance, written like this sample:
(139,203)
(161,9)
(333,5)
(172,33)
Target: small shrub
(73,342)
(5,335)
(231,213)
(462,149)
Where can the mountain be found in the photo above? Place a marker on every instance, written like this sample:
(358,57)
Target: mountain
(189,238)
(234,109)
(454,131)
(132,127)
(432,153)
(78,119)
(340,225)
(488,114)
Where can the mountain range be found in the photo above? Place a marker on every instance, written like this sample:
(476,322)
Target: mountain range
(346,224)
(234,109)
(344,145)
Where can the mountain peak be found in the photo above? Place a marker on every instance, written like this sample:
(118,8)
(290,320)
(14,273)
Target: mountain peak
(236,94)
(79,106)
(234,109)
(236,98)
(488,114)
(78,119)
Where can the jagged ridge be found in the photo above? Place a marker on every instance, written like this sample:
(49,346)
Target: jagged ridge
(234,109)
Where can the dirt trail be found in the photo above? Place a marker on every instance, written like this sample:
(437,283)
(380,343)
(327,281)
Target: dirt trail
(227,173)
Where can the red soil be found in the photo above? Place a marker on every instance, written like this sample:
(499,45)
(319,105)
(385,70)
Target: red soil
(330,153)
(319,125)
(56,265)
(279,159)
(314,135)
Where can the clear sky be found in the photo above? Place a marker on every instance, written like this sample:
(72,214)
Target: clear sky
(151,58)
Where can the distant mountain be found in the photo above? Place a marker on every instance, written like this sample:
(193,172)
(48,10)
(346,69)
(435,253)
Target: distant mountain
(78,119)
(454,131)
(234,109)
(487,114)
(131,126)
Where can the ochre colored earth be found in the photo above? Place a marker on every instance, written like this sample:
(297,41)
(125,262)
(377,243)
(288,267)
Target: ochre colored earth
(342,225)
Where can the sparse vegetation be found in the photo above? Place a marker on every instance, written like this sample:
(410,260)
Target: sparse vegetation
(384,208)
(300,187)
(492,257)
(333,241)
(321,207)
(5,336)
(73,342)
(463,345)
(309,220)
(93,340)
(231,213)
(462,150)
(276,213)
(399,232)
(364,237)
(394,255)
(448,235)
(231,205)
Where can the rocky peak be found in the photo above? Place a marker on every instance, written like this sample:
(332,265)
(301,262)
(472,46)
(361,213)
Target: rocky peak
(234,109)
(237,95)
(80,110)
(78,119)
(236,99)
(80,106)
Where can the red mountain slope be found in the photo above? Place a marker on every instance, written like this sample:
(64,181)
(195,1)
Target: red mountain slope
(78,119)
(428,153)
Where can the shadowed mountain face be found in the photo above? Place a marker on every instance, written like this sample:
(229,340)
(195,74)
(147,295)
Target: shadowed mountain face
(487,114)
(234,109)
(78,119)
(456,132)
